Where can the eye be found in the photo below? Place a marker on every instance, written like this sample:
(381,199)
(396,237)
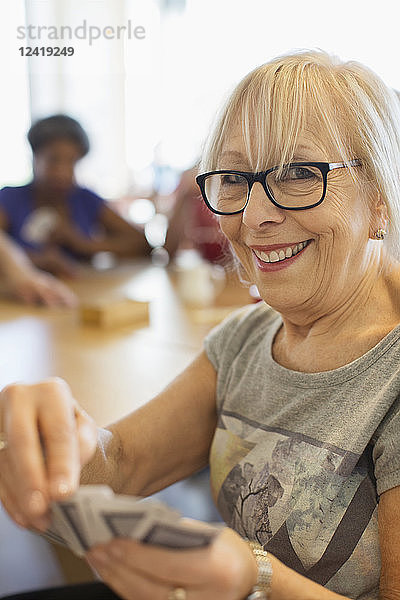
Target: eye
(231,179)
(295,173)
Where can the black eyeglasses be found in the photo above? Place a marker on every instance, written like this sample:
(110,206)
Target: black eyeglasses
(295,186)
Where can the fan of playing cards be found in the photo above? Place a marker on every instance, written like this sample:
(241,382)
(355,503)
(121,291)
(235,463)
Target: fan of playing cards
(94,515)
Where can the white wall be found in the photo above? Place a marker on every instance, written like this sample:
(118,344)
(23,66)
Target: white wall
(155,98)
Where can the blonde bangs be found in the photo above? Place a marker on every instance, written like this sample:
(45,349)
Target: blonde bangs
(272,117)
(273,105)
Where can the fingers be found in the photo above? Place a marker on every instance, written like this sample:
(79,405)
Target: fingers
(225,569)
(59,438)
(26,467)
(64,296)
(43,288)
(9,501)
(156,562)
(45,439)
(52,292)
(127,583)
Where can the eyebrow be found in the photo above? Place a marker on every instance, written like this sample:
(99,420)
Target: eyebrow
(302,154)
(232,153)
(234,156)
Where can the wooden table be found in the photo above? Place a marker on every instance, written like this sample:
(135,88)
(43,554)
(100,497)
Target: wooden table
(111,372)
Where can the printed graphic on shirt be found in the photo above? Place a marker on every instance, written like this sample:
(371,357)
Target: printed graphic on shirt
(306,502)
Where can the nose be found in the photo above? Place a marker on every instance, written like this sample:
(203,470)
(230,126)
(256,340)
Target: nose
(260,210)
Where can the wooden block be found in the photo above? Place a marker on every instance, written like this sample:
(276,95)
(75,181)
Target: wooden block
(115,312)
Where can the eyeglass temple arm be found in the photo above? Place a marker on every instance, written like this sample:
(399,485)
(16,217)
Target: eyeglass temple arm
(352,163)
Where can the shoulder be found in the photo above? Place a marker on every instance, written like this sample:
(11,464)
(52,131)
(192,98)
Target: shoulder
(250,316)
(15,191)
(245,326)
(88,196)
(10,195)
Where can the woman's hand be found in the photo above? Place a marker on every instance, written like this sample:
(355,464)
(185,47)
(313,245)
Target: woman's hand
(66,234)
(55,261)
(225,570)
(36,287)
(48,439)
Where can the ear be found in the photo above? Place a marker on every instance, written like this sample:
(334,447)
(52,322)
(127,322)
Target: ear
(379,215)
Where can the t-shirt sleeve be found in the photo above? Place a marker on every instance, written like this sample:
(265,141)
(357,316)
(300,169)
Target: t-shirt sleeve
(94,204)
(86,207)
(386,453)
(224,343)
(5,199)
(221,336)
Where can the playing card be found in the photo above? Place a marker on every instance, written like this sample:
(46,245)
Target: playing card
(107,519)
(53,535)
(83,497)
(68,522)
(152,511)
(38,225)
(179,534)
(94,514)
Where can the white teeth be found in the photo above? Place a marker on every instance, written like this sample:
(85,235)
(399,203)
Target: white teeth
(282,254)
(273,256)
(264,256)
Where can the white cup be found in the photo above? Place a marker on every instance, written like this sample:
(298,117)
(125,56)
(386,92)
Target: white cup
(199,282)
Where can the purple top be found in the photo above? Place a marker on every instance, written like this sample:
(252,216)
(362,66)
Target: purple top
(18,204)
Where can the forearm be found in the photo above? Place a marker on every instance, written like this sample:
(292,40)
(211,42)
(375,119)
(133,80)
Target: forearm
(164,450)
(13,260)
(163,441)
(124,245)
(153,468)
(162,457)
(289,585)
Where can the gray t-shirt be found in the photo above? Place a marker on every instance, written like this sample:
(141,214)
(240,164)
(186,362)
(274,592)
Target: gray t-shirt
(298,460)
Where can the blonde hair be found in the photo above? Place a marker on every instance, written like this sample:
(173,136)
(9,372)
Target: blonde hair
(355,111)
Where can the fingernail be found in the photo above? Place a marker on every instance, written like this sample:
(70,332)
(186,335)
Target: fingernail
(61,487)
(36,503)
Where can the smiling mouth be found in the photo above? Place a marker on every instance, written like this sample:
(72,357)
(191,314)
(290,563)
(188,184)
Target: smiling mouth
(282,254)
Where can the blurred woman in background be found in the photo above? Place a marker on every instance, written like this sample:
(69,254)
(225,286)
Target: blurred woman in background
(54,219)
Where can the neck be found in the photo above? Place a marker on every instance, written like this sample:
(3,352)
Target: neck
(45,196)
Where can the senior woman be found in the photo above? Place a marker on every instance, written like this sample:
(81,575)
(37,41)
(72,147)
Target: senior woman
(294,402)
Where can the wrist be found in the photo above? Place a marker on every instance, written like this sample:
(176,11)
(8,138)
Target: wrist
(262,588)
